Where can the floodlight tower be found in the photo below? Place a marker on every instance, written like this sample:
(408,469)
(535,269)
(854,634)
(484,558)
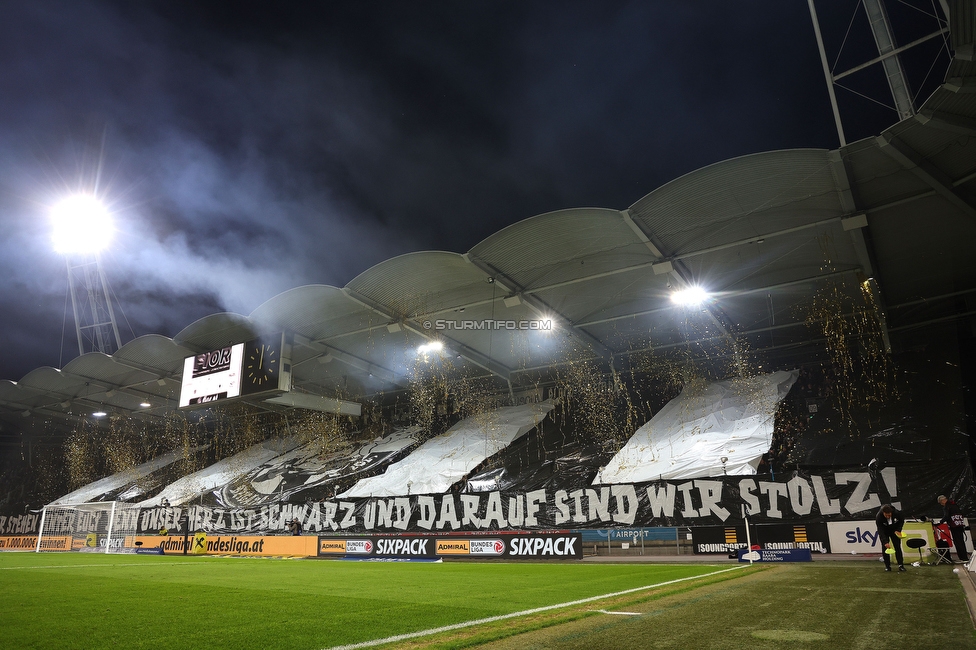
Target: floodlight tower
(82,229)
(889,56)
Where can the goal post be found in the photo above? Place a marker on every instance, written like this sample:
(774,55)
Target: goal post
(99,527)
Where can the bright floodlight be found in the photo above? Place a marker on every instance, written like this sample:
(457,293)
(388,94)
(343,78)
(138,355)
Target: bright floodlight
(427,348)
(81,225)
(689,297)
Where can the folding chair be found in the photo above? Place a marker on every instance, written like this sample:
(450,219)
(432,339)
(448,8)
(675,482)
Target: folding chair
(943,542)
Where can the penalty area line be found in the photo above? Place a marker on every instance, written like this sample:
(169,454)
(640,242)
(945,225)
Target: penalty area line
(526,612)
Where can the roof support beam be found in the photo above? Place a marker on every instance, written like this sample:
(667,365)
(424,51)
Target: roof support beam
(318,403)
(844,179)
(466,352)
(540,306)
(380,372)
(856,226)
(641,234)
(679,271)
(105,388)
(730,294)
(929,173)
(650,265)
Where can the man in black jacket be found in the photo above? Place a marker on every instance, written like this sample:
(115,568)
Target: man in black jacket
(890,523)
(957,525)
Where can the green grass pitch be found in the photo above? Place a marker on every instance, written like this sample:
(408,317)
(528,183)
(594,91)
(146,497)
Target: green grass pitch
(141,601)
(124,601)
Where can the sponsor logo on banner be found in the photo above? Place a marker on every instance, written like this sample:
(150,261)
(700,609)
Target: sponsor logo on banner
(202,544)
(199,546)
(453,547)
(56,543)
(359,546)
(18,543)
(776,555)
(767,537)
(546,546)
(332,546)
(862,536)
(405,546)
(483,547)
(853,536)
(487,547)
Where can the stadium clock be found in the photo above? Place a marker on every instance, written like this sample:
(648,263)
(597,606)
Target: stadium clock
(262,366)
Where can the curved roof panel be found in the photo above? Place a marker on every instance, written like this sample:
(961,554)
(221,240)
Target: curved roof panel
(740,198)
(315,311)
(153,351)
(104,369)
(50,379)
(422,283)
(562,246)
(215,331)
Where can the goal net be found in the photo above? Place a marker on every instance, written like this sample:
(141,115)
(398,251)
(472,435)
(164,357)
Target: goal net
(87,527)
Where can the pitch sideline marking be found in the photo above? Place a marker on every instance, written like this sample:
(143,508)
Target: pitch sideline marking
(502,617)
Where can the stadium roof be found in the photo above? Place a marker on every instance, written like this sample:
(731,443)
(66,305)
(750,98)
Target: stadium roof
(762,233)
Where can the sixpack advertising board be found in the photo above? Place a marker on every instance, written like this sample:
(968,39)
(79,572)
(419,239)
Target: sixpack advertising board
(560,545)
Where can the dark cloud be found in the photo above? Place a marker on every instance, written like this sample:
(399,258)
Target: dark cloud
(247,148)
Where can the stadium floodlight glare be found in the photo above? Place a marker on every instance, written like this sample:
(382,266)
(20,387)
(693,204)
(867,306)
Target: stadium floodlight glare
(99,414)
(431,347)
(82,225)
(689,297)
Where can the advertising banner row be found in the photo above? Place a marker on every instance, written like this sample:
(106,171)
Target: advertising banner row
(859,537)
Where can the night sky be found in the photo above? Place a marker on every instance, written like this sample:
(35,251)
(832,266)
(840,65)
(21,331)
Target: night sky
(247,148)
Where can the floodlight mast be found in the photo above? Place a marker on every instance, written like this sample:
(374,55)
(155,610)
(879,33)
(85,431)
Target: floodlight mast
(888,56)
(95,324)
(82,227)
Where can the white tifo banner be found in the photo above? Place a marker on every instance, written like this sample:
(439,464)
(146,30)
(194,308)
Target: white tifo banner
(862,537)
